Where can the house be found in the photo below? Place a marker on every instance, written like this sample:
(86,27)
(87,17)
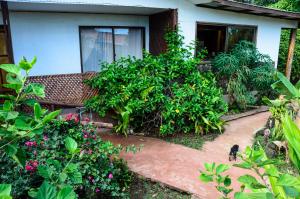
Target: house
(73,36)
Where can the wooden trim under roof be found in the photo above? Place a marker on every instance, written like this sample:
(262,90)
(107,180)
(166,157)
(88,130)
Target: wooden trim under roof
(245,8)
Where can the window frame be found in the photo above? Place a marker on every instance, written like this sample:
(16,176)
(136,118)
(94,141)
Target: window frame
(226,36)
(142,28)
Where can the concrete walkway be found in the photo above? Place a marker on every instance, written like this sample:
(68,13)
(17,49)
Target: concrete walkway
(178,166)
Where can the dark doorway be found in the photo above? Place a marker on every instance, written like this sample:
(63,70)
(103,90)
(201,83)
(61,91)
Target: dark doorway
(212,38)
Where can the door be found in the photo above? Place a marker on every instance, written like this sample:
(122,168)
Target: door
(158,24)
(4,54)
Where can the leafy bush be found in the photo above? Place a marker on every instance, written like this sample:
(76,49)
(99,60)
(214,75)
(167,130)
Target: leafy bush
(14,124)
(68,155)
(245,70)
(165,92)
(267,183)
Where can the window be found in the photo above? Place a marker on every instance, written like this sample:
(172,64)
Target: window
(221,38)
(107,44)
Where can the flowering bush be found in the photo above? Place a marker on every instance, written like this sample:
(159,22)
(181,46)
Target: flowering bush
(95,169)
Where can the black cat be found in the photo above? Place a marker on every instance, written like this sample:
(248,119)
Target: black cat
(233,151)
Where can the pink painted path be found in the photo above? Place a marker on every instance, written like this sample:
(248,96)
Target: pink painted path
(178,166)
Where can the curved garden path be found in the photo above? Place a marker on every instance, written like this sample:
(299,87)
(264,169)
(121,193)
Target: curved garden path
(178,166)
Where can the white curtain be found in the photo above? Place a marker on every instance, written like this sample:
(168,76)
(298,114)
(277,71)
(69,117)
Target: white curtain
(96,47)
(128,42)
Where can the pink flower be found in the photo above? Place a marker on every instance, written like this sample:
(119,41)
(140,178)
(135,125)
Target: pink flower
(76,119)
(87,119)
(35,163)
(97,190)
(85,136)
(45,138)
(29,168)
(90,151)
(30,144)
(110,176)
(69,116)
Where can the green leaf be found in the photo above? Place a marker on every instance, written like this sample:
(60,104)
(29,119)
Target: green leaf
(44,171)
(206,178)
(46,191)
(76,177)
(11,150)
(51,116)
(66,193)
(22,125)
(37,111)
(5,190)
(70,144)
(259,195)
(11,68)
(244,165)
(222,168)
(24,64)
(62,177)
(288,180)
(11,115)
(227,181)
(35,89)
(209,167)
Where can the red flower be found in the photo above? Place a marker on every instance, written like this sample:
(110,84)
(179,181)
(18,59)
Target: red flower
(30,143)
(76,119)
(69,116)
(87,119)
(29,168)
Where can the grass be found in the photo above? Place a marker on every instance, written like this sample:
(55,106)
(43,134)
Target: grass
(191,140)
(145,189)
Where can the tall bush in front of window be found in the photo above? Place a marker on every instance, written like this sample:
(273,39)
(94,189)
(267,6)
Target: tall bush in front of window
(164,93)
(248,74)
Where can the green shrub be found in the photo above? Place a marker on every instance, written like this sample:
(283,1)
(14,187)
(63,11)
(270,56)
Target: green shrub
(165,93)
(95,170)
(245,70)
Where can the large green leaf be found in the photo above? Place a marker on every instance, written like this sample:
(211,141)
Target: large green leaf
(35,89)
(221,168)
(46,191)
(51,116)
(292,135)
(285,87)
(37,111)
(5,190)
(259,195)
(66,192)
(11,68)
(70,144)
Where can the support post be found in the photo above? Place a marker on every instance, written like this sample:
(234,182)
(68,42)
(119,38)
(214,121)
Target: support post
(291,50)
(6,24)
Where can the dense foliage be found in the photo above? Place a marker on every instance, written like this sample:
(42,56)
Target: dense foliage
(46,158)
(245,70)
(288,5)
(94,170)
(165,92)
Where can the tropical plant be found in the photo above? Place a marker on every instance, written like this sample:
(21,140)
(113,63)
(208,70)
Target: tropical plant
(15,125)
(292,136)
(5,190)
(245,70)
(164,93)
(276,185)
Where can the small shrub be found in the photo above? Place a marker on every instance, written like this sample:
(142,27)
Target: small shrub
(164,93)
(245,70)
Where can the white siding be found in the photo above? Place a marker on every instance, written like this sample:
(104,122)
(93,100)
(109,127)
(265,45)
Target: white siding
(54,37)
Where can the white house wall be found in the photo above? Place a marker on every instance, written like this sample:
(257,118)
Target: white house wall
(54,37)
